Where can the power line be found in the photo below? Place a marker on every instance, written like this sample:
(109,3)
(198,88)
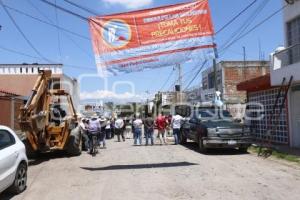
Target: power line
(235,17)
(44,22)
(23,34)
(240,37)
(256,26)
(74,14)
(225,26)
(66,35)
(246,24)
(19,53)
(31,56)
(167,79)
(58,34)
(198,72)
(71,12)
(243,35)
(65,10)
(81,7)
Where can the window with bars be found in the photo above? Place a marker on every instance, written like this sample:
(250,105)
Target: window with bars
(260,126)
(293,38)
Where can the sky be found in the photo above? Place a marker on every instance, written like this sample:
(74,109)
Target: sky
(61,47)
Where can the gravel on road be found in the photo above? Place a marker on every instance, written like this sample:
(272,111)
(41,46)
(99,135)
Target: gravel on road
(164,172)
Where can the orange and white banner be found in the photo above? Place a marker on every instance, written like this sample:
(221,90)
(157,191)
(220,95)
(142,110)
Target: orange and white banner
(153,38)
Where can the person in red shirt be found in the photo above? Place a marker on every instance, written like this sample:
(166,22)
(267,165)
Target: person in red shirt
(161,123)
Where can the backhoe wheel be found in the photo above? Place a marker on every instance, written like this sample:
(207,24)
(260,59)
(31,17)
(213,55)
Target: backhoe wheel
(202,149)
(74,145)
(20,181)
(32,154)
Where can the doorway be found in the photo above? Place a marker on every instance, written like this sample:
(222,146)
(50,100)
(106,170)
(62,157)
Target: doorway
(295,114)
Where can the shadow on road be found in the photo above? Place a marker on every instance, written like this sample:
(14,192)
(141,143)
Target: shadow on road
(213,152)
(6,196)
(44,157)
(140,166)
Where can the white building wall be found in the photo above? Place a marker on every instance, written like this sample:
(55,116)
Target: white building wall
(19,69)
(278,70)
(289,13)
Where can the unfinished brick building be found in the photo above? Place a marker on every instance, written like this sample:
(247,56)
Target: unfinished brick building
(229,75)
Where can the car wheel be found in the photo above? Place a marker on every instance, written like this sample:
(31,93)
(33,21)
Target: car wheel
(20,181)
(202,149)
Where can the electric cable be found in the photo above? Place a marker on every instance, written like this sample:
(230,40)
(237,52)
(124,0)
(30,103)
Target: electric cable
(256,26)
(81,7)
(246,24)
(198,72)
(58,34)
(235,17)
(44,22)
(66,35)
(74,14)
(23,34)
(167,79)
(19,53)
(31,56)
(251,30)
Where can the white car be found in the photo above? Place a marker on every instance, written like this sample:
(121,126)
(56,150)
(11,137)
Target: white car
(13,162)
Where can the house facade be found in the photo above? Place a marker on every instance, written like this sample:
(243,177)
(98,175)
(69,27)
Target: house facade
(20,79)
(286,64)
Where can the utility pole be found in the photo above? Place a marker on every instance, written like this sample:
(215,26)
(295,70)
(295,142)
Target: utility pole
(244,70)
(215,74)
(179,68)
(215,69)
(244,54)
(179,92)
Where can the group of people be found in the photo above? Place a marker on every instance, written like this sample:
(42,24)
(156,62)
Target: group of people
(163,124)
(107,128)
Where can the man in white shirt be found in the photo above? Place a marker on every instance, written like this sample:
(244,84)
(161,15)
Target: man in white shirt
(137,124)
(176,125)
(119,128)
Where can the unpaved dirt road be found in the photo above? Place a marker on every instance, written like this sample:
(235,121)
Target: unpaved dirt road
(158,172)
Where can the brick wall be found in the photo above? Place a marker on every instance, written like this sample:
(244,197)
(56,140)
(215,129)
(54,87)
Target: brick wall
(233,75)
(7,118)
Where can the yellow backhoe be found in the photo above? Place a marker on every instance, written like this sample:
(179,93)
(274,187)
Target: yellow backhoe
(49,119)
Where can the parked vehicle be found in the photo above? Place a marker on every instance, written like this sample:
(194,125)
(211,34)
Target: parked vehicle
(214,128)
(13,162)
(49,120)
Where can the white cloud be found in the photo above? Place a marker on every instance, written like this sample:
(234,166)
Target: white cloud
(106,95)
(132,4)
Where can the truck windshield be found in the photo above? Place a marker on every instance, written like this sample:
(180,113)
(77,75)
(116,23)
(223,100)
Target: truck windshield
(213,114)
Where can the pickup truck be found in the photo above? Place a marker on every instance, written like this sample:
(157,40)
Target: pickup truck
(214,128)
